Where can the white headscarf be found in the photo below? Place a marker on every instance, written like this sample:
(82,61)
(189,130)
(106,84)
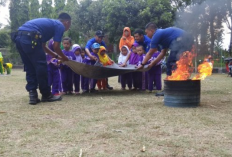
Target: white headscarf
(122,58)
(75,45)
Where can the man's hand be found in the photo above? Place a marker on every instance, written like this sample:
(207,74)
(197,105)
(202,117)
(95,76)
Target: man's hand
(139,67)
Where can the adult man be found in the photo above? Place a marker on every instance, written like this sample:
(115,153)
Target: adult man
(175,39)
(98,38)
(142,39)
(31,41)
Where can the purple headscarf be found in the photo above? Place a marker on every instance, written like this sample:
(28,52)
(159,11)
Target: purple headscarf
(134,57)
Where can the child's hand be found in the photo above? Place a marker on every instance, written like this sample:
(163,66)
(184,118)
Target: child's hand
(93,58)
(123,65)
(59,62)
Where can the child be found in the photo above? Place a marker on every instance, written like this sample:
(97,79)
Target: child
(67,73)
(103,57)
(154,74)
(104,60)
(133,60)
(83,54)
(76,49)
(95,48)
(7,68)
(141,76)
(54,75)
(125,78)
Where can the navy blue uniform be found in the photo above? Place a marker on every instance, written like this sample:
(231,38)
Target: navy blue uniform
(91,42)
(177,40)
(146,43)
(29,41)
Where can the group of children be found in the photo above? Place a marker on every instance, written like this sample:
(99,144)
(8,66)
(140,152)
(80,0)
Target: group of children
(62,79)
(139,80)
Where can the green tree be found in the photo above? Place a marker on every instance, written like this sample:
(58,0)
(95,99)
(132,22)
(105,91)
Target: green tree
(2,2)
(19,14)
(34,9)
(159,12)
(135,14)
(59,6)
(47,9)
(4,38)
(90,15)
(71,7)
(120,14)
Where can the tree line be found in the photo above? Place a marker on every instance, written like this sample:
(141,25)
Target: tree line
(202,18)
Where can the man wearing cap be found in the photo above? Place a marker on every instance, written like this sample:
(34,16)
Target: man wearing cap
(98,38)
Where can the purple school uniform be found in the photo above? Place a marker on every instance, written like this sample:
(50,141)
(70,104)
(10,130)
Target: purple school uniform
(88,82)
(54,76)
(67,73)
(133,60)
(154,74)
(77,77)
(142,76)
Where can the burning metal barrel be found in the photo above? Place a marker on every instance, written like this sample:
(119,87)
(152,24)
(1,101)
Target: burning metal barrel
(182,93)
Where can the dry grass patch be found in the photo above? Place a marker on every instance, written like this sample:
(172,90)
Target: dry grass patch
(115,123)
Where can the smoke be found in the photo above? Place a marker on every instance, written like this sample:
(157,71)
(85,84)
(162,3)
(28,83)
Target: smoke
(204,21)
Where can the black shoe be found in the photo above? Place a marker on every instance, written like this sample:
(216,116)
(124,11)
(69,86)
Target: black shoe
(160,93)
(85,92)
(51,98)
(109,88)
(93,90)
(33,97)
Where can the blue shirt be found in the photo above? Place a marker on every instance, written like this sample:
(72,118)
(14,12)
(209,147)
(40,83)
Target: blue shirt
(90,43)
(164,37)
(146,43)
(48,28)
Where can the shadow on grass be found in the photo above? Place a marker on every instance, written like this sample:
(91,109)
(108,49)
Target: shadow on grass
(116,93)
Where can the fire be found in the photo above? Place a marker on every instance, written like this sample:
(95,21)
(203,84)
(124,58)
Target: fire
(205,69)
(184,68)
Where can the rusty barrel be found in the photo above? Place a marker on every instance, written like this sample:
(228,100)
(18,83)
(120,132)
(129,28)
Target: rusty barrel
(185,93)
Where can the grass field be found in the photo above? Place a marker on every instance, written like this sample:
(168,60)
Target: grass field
(115,123)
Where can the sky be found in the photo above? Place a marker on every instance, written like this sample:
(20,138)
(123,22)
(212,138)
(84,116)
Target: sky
(4,15)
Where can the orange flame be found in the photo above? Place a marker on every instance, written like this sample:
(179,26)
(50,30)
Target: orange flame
(205,69)
(184,68)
